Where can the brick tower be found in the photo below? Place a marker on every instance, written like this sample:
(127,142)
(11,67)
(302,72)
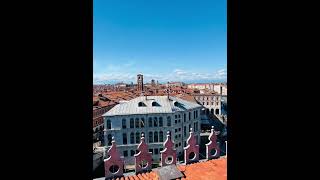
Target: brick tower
(140,82)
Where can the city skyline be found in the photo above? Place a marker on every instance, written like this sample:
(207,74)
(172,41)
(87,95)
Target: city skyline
(164,40)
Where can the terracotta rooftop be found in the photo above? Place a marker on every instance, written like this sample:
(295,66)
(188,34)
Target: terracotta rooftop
(187,97)
(215,169)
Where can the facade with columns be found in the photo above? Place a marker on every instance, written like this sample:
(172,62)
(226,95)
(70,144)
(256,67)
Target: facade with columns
(152,116)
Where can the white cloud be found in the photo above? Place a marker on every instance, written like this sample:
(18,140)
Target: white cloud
(175,75)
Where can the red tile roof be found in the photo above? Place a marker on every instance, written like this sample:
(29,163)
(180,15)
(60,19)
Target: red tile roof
(215,169)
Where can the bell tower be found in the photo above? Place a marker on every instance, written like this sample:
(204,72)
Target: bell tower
(140,82)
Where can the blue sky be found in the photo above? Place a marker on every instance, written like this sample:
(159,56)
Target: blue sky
(165,40)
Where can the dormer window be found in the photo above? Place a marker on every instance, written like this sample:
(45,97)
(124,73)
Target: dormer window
(141,104)
(155,103)
(176,103)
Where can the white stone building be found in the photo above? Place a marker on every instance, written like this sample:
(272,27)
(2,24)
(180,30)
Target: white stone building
(220,88)
(153,116)
(212,102)
(209,86)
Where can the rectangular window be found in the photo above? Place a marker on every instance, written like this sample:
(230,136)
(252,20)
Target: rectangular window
(211,103)
(125,153)
(156,151)
(137,123)
(151,150)
(175,121)
(175,130)
(124,137)
(131,123)
(184,131)
(168,121)
(142,122)
(179,129)
(207,103)
(124,125)
(179,116)
(189,116)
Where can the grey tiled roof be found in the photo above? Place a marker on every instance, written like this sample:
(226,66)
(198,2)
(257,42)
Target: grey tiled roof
(165,106)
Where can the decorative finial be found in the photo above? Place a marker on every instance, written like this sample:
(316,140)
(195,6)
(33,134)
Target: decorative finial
(113,139)
(191,130)
(212,128)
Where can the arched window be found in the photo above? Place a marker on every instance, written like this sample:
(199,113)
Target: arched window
(150,137)
(155,122)
(124,123)
(108,124)
(137,122)
(189,116)
(217,111)
(124,138)
(150,121)
(168,121)
(161,136)
(109,139)
(160,122)
(131,123)
(184,117)
(156,137)
(132,138)
(137,137)
(142,123)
